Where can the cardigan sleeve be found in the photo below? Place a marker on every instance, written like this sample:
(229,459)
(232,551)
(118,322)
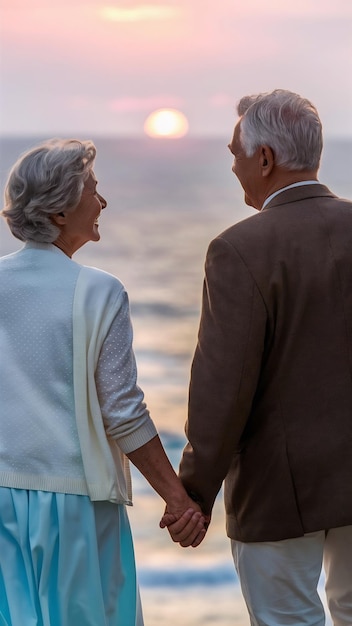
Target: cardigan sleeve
(125,415)
(225,371)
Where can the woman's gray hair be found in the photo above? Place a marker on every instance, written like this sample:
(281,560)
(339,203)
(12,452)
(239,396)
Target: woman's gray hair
(287,123)
(45,181)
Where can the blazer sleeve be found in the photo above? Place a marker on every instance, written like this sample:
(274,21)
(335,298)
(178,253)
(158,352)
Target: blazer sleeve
(225,371)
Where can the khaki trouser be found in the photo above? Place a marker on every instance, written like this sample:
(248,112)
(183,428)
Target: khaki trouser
(279,579)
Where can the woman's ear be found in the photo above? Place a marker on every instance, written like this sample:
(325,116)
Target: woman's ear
(59,218)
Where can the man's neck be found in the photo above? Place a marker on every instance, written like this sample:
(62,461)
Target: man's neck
(287,177)
(282,178)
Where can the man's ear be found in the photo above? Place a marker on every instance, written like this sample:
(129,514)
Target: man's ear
(266,160)
(59,218)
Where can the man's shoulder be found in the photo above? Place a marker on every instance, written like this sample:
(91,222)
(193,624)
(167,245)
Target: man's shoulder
(243,228)
(287,207)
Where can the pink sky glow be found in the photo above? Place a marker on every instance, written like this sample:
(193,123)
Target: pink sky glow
(76,66)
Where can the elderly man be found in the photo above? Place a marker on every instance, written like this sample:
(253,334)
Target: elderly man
(270,407)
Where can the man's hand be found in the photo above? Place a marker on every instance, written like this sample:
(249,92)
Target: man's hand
(189,529)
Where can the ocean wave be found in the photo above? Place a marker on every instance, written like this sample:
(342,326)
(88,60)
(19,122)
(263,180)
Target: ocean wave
(162,309)
(172,440)
(166,577)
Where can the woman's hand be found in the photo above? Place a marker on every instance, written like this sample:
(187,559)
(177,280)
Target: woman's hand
(183,517)
(187,529)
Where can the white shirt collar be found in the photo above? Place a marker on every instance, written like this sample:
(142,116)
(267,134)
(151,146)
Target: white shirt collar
(300,184)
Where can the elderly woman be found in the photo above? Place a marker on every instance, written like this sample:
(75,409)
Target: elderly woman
(71,409)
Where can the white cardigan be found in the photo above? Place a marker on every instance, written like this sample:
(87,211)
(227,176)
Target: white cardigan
(54,318)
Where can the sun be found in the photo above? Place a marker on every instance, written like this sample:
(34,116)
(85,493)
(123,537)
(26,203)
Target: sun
(166,123)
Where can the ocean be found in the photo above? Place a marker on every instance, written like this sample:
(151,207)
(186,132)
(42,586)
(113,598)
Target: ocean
(166,200)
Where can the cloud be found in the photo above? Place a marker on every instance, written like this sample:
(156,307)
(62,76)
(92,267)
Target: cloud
(221,100)
(143,104)
(289,8)
(139,13)
(306,8)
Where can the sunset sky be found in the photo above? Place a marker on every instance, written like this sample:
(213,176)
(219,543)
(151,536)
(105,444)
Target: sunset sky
(81,66)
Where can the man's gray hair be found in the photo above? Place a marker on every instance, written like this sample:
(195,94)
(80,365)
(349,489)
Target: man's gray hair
(287,123)
(45,181)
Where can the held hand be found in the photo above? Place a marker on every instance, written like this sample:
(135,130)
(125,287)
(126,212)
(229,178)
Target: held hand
(189,529)
(186,524)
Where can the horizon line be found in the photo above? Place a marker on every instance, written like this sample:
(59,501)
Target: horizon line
(133,136)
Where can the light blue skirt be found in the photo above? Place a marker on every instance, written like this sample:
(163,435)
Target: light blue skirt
(65,561)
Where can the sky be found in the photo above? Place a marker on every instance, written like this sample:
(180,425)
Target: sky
(78,67)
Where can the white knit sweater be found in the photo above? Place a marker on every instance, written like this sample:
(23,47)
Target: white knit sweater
(69,410)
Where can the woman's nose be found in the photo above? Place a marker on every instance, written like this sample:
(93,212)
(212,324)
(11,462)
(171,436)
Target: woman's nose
(102,201)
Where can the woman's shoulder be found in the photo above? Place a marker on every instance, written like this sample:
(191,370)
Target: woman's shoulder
(98,279)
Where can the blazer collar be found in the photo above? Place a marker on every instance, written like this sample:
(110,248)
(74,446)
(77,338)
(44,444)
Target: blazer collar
(295,194)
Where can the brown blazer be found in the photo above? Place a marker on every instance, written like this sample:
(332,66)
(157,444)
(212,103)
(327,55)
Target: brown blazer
(270,409)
